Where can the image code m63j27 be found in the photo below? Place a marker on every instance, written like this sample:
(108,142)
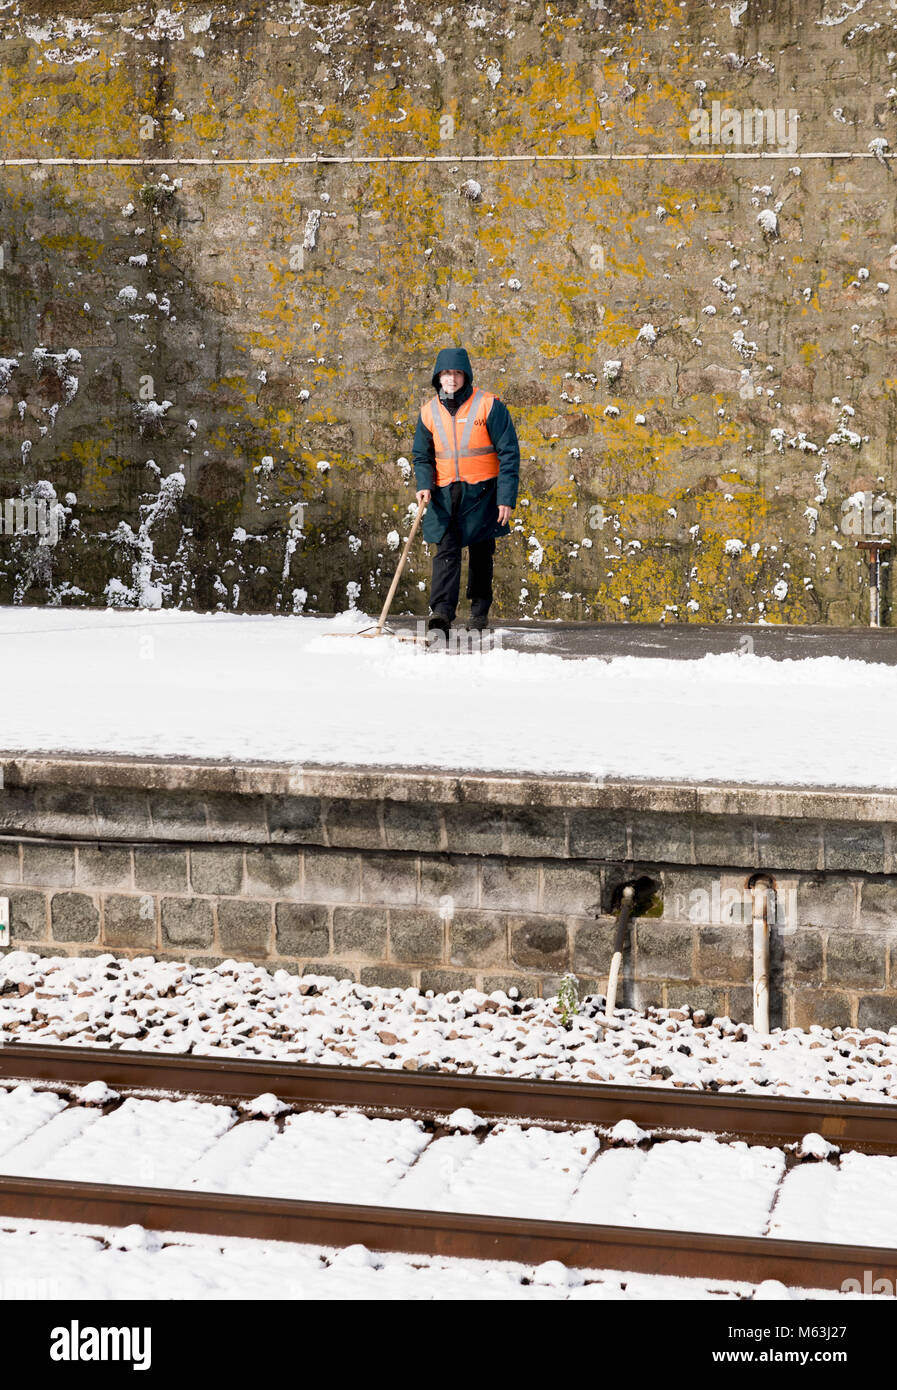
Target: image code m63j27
(447,782)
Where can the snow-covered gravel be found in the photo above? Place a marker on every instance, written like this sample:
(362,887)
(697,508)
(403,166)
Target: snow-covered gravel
(297,694)
(462,1165)
(59,1260)
(242,1008)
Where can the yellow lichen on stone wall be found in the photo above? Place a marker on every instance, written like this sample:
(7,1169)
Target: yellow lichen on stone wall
(668,333)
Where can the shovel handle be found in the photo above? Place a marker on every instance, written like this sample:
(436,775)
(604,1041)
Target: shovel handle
(401,565)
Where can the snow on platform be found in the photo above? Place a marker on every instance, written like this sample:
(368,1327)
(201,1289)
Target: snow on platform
(282,689)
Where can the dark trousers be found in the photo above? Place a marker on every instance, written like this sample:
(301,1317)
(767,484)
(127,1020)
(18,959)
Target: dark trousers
(446,584)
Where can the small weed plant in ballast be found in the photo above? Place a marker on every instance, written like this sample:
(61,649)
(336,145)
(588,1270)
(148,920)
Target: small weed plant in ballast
(568,999)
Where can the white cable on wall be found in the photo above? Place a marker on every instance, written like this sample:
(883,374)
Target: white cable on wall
(134,161)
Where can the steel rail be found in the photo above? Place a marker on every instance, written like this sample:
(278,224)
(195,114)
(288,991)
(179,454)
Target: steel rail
(867,1127)
(687,1254)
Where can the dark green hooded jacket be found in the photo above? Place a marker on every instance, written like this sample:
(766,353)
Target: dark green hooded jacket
(478,511)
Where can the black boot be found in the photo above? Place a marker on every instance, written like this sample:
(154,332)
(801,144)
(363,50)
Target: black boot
(479,619)
(439,624)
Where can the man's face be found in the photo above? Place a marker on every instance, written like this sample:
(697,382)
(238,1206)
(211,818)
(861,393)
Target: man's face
(451,382)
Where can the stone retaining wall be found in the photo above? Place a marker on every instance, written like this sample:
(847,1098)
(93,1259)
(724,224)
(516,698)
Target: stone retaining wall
(447,882)
(215,366)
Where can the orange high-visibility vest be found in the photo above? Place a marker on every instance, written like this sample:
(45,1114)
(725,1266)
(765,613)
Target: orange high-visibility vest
(464,451)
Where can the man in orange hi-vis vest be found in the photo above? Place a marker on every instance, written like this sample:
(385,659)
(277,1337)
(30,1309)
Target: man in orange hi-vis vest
(467,467)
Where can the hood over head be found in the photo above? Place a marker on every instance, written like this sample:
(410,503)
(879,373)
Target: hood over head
(452,360)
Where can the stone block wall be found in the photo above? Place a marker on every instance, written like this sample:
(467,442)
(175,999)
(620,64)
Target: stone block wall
(447,883)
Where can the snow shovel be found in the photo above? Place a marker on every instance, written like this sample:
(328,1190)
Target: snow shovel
(380,629)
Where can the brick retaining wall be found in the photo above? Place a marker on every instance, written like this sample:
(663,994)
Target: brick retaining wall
(447,882)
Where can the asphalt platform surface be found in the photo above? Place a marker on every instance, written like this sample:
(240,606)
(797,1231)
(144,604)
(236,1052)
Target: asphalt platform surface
(675,641)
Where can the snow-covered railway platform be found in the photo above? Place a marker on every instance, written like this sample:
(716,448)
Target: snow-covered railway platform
(331,805)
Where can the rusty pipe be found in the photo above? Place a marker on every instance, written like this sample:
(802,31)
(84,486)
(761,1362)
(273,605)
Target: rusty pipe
(619,940)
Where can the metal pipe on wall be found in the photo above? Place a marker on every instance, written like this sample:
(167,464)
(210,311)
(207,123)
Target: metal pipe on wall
(626,906)
(760,912)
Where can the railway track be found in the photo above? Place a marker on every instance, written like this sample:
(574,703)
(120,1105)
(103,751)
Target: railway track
(867,1128)
(688,1254)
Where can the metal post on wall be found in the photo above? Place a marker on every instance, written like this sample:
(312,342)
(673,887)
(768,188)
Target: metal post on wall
(873,549)
(626,905)
(762,889)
